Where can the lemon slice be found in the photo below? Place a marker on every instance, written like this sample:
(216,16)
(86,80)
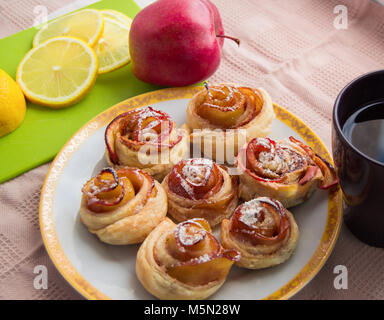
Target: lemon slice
(12,104)
(86,25)
(116,15)
(58,73)
(112,48)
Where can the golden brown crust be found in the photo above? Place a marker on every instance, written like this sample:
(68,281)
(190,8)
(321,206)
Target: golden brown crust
(210,140)
(153,157)
(154,277)
(131,222)
(259,256)
(182,208)
(289,195)
(289,190)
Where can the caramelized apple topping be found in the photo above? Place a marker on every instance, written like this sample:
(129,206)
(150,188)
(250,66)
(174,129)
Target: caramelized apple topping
(138,127)
(330,178)
(143,125)
(286,162)
(201,258)
(112,188)
(230,107)
(195,179)
(260,221)
(268,161)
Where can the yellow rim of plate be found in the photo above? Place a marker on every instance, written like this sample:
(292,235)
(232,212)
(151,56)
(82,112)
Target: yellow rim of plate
(79,283)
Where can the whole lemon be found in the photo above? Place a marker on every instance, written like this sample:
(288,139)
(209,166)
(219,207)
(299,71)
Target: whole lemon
(12,104)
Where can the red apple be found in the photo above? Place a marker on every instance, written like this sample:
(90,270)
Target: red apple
(175,43)
(219,30)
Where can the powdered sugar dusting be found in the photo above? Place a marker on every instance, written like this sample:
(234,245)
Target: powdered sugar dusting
(187,238)
(250,212)
(197,171)
(278,160)
(276,204)
(202,259)
(294,160)
(94,189)
(185,185)
(271,162)
(149,112)
(265,143)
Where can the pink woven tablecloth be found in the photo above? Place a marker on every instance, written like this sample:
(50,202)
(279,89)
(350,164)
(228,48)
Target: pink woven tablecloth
(291,48)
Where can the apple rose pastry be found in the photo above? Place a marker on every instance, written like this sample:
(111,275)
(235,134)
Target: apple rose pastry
(147,139)
(199,188)
(183,261)
(288,171)
(263,231)
(122,206)
(217,113)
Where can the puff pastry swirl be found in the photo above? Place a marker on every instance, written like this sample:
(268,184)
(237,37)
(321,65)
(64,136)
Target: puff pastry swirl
(217,114)
(199,188)
(288,171)
(183,261)
(147,139)
(122,206)
(263,231)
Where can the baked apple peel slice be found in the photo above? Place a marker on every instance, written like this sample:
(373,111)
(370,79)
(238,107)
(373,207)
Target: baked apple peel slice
(109,138)
(103,193)
(229,107)
(193,238)
(132,128)
(204,269)
(249,155)
(181,182)
(252,232)
(329,174)
(311,172)
(202,258)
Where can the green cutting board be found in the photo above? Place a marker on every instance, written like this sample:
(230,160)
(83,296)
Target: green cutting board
(44,131)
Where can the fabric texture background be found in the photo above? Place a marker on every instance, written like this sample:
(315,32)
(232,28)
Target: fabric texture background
(292,49)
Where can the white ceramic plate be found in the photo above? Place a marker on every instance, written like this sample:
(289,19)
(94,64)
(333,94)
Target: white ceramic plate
(101,271)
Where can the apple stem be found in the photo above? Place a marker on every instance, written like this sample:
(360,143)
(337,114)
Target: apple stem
(207,87)
(228,37)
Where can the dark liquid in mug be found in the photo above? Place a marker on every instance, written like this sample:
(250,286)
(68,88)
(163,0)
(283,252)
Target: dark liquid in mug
(365,130)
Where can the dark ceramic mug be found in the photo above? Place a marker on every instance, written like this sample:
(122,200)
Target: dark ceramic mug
(361,177)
